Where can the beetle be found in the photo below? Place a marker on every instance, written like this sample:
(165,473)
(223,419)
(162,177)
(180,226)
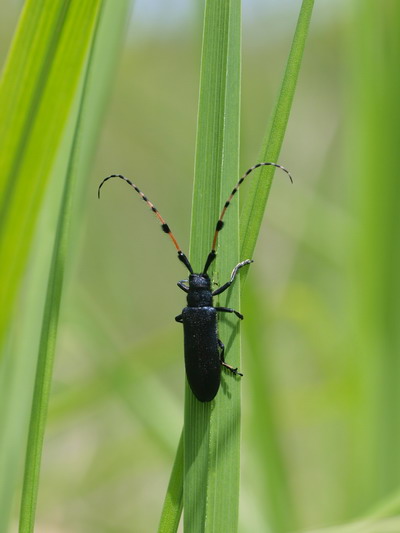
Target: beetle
(204,351)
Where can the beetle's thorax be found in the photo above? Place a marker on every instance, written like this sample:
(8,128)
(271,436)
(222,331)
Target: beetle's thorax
(200,294)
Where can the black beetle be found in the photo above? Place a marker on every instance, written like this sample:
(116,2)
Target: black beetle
(204,351)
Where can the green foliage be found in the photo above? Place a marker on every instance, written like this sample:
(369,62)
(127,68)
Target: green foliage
(212,430)
(374,260)
(36,95)
(44,114)
(253,211)
(319,427)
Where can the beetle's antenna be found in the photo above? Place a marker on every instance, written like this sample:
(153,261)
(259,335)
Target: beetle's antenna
(220,223)
(164,226)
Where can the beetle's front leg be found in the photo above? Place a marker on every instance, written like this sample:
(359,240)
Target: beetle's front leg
(229,310)
(182,286)
(233,276)
(222,360)
(179,318)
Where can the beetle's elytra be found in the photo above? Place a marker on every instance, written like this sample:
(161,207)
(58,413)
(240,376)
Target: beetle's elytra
(204,351)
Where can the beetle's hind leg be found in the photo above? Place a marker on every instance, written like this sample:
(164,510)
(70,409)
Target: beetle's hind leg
(222,360)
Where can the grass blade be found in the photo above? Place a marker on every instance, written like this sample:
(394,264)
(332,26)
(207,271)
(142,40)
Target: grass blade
(36,94)
(212,430)
(39,80)
(258,191)
(106,30)
(173,504)
(279,509)
(374,257)
(18,368)
(48,338)
(276,503)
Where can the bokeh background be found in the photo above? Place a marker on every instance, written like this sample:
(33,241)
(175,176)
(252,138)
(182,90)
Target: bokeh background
(321,300)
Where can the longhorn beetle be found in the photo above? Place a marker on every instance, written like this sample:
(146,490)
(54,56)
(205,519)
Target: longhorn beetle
(204,351)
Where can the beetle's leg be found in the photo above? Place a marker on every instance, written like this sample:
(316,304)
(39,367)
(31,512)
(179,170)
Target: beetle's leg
(222,346)
(233,276)
(222,360)
(229,310)
(179,318)
(182,286)
(231,369)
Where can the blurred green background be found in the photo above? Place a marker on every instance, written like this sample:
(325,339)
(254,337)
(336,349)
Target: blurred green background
(321,301)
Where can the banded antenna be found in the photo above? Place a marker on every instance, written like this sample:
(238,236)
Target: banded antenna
(220,223)
(164,226)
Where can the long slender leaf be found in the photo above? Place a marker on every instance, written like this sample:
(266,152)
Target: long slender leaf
(212,430)
(48,335)
(106,30)
(374,257)
(279,508)
(43,66)
(38,85)
(172,509)
(253,210)
(201,451)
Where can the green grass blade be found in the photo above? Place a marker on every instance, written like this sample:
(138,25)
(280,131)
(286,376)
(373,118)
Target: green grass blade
(39,81)
(106,36)
(173,504)
(36,95)
(48,335)
(374,259)
(17,369)
(212,430)
(258,191)
(279,508)
(276,502)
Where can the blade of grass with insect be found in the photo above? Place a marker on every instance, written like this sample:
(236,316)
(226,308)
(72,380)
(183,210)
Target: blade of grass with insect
(212,430)
(105,32)
(196,478)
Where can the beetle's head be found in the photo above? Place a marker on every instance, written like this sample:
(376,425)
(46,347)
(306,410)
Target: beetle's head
(199,282)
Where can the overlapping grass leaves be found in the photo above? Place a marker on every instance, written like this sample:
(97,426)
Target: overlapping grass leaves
(212,431)
(45,146)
